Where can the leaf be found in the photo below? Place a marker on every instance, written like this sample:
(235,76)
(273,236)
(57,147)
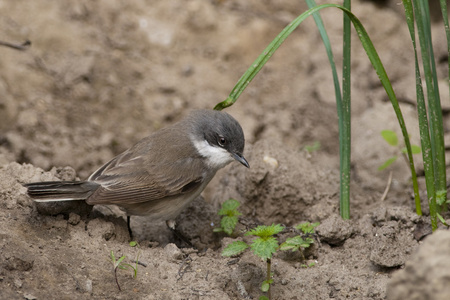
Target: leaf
(313,147)
(295,243)
(133,243)
(264,248)
(286,246)
(234,248)
(440,197)
(387,163)
(441,219)
(265,286)
(228,224)
(229,208)
(307,227)
(124,266)
(120,259)
(263,298)
(264,231)
(414,149)
(390,137)
(299,241)
(218,229)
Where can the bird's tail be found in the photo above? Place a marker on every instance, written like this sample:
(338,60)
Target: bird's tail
(60,190)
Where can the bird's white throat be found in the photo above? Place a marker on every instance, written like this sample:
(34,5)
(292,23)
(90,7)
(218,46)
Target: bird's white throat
(216,157)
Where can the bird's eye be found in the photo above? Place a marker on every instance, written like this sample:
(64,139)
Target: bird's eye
(221,141)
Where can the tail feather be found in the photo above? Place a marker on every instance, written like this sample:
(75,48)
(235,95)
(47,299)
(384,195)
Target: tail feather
(60,190)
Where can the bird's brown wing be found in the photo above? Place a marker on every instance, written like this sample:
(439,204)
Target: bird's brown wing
(131,178)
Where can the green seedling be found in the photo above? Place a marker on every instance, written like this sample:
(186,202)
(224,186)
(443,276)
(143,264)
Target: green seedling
(230,216)
(266,244)
(263,246)
(391,138)
(298,242)
(312,148)
(307,228)
(119,264)
(310,265)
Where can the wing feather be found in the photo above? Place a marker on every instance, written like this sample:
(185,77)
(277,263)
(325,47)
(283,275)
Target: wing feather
(135,177)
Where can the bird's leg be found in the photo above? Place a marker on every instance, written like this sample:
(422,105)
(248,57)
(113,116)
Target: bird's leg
(129,227)
(171,224)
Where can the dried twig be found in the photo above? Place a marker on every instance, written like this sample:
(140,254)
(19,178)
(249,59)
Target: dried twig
(22,47)
(388,186)
(185,266)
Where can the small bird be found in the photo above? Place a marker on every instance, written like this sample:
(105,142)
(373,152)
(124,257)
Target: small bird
(162,173)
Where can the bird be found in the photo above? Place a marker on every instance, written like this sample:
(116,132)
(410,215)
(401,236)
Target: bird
(162,173)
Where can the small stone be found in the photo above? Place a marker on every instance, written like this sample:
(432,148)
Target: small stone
(18,283)
(173,252)
(271,161)
(89,285)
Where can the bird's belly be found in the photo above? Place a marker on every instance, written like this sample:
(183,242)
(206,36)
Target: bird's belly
(163,209)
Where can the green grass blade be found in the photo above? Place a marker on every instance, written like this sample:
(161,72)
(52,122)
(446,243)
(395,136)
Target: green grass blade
(423,120)
(343,107)
(421,11)
(447,34)
(379,68)
(345,124)
(327,44)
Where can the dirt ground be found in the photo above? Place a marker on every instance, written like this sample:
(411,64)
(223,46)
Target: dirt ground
(100,75)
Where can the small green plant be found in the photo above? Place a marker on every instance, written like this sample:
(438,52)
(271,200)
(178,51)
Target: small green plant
(119,264)
(263,246)
(312,148)
(298,242)
(266,244)
(310,265)
(230,216)
(301,242)
(391,138)
(307,228)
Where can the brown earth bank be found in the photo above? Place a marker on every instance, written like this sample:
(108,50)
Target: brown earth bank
(100,75)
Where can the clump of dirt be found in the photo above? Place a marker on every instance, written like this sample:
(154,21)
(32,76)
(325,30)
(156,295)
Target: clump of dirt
(426,275)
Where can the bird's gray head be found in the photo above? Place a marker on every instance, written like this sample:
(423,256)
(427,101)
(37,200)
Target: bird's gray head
(217,137)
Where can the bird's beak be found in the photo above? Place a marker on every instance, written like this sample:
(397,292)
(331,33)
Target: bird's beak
(240,159)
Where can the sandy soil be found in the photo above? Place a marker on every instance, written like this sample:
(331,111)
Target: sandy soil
(100,75)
